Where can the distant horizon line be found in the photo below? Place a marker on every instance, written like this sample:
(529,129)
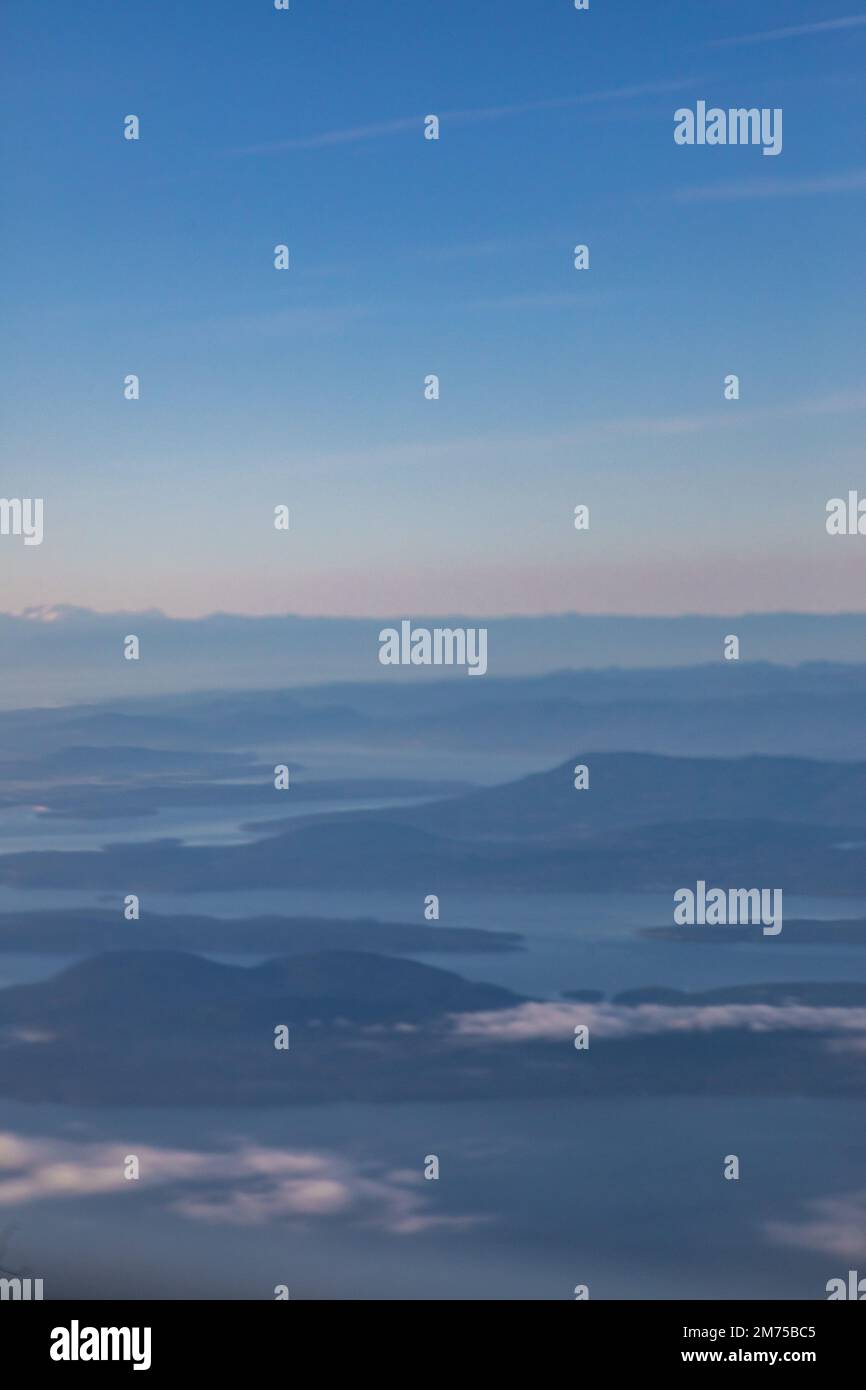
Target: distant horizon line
(48,614)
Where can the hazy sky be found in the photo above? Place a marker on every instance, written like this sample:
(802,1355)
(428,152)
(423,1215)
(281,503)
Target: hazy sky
(411,257)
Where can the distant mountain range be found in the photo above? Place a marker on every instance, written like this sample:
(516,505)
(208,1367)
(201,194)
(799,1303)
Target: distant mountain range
(633,789)
(646,823)
(63,654)
(720,709)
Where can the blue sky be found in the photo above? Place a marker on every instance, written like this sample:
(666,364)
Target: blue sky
(410,257)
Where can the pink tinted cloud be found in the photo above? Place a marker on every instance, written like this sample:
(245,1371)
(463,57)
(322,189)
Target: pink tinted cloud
(555,1022)
(835,1226)
(248,1185)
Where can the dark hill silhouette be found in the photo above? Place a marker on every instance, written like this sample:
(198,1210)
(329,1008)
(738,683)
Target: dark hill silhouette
(646,823)
(90,931)
(137,988)
(165,1028)
(631,789)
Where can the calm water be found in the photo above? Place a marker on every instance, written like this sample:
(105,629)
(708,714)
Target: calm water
(571,941)
(625,1195)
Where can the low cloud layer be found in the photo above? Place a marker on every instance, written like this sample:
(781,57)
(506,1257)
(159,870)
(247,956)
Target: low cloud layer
(553,1022)
(249,1185)
(834,1226)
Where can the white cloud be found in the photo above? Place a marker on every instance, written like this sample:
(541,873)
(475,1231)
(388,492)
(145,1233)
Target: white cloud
(353,134)
(837,1226)
(555,1022)
(853,182)
(248,1185)
(793,31)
